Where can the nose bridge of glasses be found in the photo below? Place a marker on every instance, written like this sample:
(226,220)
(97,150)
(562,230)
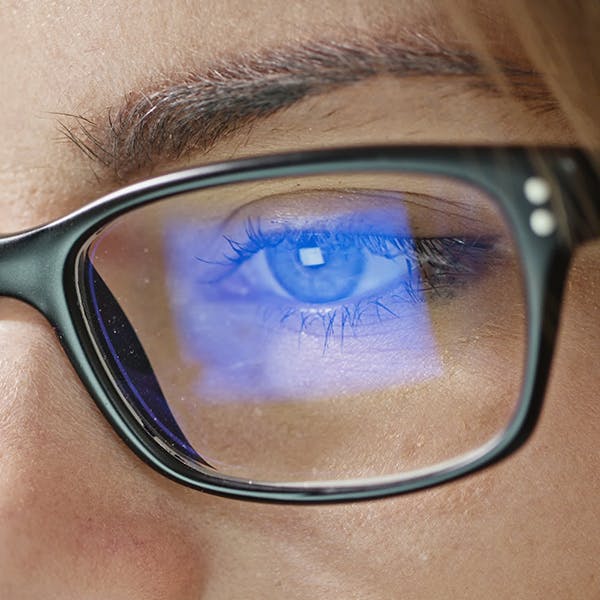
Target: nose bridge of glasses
(31,268)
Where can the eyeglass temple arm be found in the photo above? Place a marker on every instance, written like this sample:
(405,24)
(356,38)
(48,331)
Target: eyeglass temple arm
(584,209)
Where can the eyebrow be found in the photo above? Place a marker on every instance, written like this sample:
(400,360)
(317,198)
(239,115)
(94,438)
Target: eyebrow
(193,112)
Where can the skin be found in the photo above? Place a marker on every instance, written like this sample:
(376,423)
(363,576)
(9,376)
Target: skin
(82,517)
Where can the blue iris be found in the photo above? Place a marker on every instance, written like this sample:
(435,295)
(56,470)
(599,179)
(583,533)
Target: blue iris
(316,268)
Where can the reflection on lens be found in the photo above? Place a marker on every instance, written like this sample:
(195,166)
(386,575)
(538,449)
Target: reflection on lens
(305,306)
(314,329)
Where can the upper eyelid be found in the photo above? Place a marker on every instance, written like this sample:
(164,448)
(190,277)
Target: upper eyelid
(319,206)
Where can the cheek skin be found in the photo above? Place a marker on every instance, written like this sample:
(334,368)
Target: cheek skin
(74,518)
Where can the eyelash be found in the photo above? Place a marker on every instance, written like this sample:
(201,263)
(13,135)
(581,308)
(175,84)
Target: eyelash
(439,265)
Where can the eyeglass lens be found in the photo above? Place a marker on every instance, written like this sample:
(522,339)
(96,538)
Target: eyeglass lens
(319,328)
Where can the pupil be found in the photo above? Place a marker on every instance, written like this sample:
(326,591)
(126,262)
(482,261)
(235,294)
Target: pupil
(316,272)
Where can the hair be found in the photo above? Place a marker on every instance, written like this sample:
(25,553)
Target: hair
(562,43)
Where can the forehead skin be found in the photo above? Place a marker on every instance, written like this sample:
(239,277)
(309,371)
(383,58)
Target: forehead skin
(81,517)
(84,58)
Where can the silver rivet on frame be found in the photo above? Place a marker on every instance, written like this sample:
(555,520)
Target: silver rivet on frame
(568,164)
(542,222)
(537,190)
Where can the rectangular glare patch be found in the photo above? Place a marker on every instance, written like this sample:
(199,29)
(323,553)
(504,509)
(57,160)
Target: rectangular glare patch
(311,257)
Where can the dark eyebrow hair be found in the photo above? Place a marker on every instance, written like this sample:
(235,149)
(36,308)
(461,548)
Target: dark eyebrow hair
(195,111)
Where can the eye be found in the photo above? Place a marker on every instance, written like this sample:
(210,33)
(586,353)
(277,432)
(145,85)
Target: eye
(326,281)
(316,268)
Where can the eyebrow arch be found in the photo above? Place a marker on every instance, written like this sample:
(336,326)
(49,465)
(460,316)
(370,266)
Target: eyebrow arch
(194,112)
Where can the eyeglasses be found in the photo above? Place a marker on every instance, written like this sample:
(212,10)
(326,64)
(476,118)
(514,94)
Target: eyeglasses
(321,326)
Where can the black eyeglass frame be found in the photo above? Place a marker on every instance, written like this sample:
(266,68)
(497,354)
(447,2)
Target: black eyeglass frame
(42,267)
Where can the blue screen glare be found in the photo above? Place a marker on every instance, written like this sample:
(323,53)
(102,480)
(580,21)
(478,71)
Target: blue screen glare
(294,312)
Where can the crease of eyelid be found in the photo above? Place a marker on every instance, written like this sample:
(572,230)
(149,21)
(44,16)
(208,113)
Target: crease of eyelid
(194,111)
(451,207)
